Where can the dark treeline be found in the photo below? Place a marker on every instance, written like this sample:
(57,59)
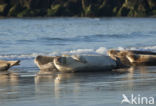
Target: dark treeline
(79,8)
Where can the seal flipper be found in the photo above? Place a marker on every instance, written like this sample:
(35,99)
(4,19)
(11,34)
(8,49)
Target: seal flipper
(80,59)
(13,63)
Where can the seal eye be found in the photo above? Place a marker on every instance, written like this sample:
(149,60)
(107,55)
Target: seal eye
(61,60)
(64,60)
(38,57)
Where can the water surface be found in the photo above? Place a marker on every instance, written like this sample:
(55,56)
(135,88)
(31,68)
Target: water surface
(24,39)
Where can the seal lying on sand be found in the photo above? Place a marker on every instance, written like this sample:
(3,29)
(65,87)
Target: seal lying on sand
(84,63)
(142,59)
(5,65)
(132,57)
(116,59)
(45,63)
(120,57)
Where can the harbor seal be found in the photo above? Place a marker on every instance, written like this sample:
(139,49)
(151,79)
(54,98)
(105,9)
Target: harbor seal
(142,59)
(45,63)
(5,65)
(84,63)
(120,57)
(132,57)
(74,63)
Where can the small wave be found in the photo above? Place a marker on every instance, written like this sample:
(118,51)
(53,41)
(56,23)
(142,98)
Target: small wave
(146,48)
(19,55)
(99,36)
(79,52)
(98,51)
(56,39)
(49,38)
(29,56)
(25,40)
(92,38)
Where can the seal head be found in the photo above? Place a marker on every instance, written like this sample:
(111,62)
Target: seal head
(45,63)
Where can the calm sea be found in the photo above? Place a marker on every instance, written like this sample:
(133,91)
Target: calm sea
(24,39)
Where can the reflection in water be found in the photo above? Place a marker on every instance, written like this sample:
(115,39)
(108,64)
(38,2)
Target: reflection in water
(63,79)
(74,84)
(7,81)
(7,78)
(44,83)
(14,87)
(139,76)
(77,88)
(57,83)
(95,87)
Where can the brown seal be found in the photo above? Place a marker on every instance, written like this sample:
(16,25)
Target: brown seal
(132,57)
(120,57)
(142,59)
(45,63)
(5,65)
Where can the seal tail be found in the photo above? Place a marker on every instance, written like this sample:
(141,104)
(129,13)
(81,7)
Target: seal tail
(14,63)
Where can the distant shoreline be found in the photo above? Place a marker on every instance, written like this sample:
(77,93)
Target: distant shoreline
(45,17)
(77,8)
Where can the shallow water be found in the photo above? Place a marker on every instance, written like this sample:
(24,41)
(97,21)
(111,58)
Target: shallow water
(24,39)
(70,89)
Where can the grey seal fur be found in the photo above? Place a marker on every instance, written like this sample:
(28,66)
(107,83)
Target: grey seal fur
(84,63)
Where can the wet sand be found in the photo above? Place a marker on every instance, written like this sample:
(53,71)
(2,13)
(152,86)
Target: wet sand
(68,89)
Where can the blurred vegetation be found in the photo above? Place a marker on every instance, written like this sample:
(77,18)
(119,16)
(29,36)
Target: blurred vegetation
(78,8)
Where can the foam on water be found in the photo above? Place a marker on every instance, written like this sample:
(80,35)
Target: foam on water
(98,51)
(24,39)
(146,48)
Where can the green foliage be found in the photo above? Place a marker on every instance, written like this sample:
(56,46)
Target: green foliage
(13,11)
(154,12)
(87,8)
(54,10)
(2,7)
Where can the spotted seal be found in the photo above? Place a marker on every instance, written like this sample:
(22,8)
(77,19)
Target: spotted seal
(132,57)
(84,63)
(45,63)
(5,65)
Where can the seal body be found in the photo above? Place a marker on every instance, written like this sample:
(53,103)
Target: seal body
(132,57)
(5,65)
(116,59)
(84,63)
(142,59)
(120,57)
(45,63)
